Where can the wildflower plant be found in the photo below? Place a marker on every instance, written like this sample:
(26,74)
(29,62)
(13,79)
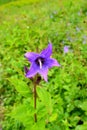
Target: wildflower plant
(40,64)
(61,100)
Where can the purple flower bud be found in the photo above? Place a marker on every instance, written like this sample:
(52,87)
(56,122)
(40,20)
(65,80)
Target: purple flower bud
(26,69)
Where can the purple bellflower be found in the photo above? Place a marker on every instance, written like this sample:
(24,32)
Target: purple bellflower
(40,63)
(66,49)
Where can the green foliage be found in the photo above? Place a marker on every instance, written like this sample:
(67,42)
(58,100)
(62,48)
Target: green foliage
(27,25)
(5,1)
(20,86)
(45,97)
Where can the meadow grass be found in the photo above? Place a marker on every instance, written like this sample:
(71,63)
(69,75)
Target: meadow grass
(26,25)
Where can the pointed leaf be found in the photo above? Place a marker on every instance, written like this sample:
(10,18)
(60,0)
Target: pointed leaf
(20,86)
(45,97)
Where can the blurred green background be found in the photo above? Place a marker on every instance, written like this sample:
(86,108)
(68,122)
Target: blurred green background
(26,25)
(5,1)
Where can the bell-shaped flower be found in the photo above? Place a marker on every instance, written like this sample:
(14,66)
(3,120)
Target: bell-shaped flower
(40,63)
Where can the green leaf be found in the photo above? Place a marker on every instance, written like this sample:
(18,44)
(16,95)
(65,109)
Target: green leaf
(20,86)
(82,127)
(53,117)
(23,113)
(38,125)
(83,105)
(45,97)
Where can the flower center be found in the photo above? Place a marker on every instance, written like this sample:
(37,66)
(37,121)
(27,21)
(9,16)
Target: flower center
(39,61)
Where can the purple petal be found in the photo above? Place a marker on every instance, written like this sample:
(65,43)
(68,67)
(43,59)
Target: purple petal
(48,51)
(33,71)
(51,62)
(43,72)
(31,56)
